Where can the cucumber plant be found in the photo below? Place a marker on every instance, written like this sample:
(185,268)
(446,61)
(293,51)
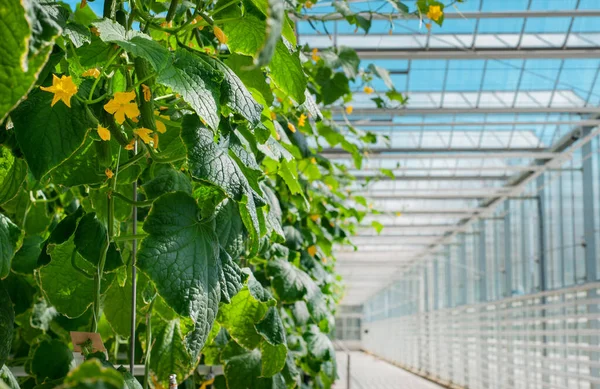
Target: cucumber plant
(161,184)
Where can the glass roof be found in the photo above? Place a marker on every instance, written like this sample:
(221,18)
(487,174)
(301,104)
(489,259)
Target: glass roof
(491,95)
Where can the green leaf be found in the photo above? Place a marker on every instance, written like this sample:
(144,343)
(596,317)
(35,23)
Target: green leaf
(271,327)
(12,173)
(197,82)
(230,229)
(240,316)
(377,225)
(290,372)
(230,278)
(25,260)
(246,36)
(90,240)
(117,307)
(180,256)
(289,173)
(28,34)
(244,372)
(37,220)
(169,353)
(319,345)
(48,143)
(92,375)
(287,73)
(300,313)
(274,213)
(10,236)
(253,77)
(272,358)
(135,42)
(67,289)
(345,58)
(235,95)
(7,319)
(52,360)
(167,180)
(82,168)
(274,28)
(290,283)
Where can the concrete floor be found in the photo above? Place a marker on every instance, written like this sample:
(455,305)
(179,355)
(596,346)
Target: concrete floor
(368,372)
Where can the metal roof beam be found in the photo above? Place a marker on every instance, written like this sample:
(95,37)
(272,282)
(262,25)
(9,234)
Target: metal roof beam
(448,154)
(402,111)
(480,53)
(398,176)
(577,13)
(387,123)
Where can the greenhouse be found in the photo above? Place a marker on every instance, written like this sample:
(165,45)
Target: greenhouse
(270,194)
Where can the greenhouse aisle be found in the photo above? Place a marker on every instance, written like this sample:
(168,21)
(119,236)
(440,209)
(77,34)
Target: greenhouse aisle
(368,372)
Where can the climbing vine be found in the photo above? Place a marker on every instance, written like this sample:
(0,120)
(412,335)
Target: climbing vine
(160,178)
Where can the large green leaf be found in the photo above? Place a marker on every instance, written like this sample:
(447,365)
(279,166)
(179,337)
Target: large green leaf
(117,307)
(52,359)
(135,42)
(252,76)
(69,290)
(50,135)
(92,375)
(10,235)
(12,173)
(197,82)
(181,256)
(210,162)
(272,358)
(27,37)
(25,260)
(287,73)
(7,318)
(169,354)
(230,228)
(166,180)
(319,345)
(271,327)
(240,316)
(230,277)
(246,36)
(290,283)
(244,371)
(235,95)
(90,240)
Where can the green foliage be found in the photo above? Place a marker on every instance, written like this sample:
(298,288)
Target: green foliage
(237,213)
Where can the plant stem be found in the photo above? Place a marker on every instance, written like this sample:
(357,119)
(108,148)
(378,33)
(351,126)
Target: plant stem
(148,345)
(103,73)
(98,282)
(132,161)
(133,273)
(172,9)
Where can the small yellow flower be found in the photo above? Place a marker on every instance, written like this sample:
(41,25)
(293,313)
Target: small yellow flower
(91,73)
(368,90)
(160,126)
(155,140)
(220,35)
(147,92)
(95,31)
(435,12)
(197,20)
(103,132)
(302,120)
(63,88)
(312,250)
(313,160)
(314,217)
(130,145)
(315,55)
(349,109)
(109,173)
(398,214)
(428,26)
(121,105)
(273,115)
(308,4)
(291,127)
(144,134)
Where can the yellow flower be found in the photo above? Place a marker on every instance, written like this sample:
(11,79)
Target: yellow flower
(109,173)
(308,4)
(121,106)
(398,214)
(160,126)
(312,250)
(147,92)
(63,88)
(273,115)
(144,134)
(313,160)
(428,26)
(91,73)
(130,145)
(435,12)
(368,90)
(103,132)
(302,120)
(349,109)
(314,217)
(291,127)
(220,35)
(95,31)
(315,55)
(155,140)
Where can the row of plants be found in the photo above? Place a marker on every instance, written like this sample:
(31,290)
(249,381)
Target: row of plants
(161,185)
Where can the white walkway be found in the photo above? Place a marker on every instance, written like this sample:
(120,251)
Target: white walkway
(368,372)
